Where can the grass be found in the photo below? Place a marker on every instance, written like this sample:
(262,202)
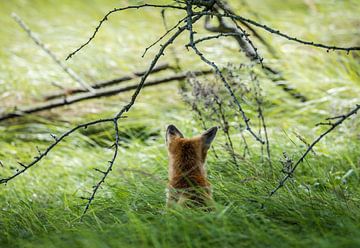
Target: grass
(320,207)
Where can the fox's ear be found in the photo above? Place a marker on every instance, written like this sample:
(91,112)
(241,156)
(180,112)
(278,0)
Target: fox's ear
(172,132)
(208,136)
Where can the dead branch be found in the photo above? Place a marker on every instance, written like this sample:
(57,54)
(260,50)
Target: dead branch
(39,43)
(105,18)
(247,46)
(41,155)
(290,173)
(105,92)
(279,33)
(168,31)
(225,5)
(217,71)
(107,83)
(109,168)
(260,102)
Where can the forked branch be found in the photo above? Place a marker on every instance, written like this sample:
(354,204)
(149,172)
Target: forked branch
(279,33)
(105,18)
(340,119)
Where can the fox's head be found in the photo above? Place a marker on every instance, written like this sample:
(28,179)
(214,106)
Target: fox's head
(188,154)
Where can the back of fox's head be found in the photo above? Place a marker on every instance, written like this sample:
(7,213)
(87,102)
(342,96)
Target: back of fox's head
(195,148)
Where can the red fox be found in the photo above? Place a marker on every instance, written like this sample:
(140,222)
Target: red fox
(188,184)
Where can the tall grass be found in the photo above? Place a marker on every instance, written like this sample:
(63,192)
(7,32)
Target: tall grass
(319,207)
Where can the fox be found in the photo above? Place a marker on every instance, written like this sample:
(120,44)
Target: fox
(188,184)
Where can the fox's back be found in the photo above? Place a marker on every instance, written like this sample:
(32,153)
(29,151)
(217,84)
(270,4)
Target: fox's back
(187,174)
(187,164)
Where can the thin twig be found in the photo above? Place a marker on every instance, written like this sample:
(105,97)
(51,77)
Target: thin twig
(105,18)
(109,168)
(301,159)
(259,101)
(47,150)
(163,36)
(216,37)
(39,43)
(231,92)
(279,33)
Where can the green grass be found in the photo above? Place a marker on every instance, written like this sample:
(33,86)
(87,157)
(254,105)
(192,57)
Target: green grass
(319,207)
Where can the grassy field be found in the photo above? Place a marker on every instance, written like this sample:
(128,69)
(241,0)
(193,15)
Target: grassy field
(319,207)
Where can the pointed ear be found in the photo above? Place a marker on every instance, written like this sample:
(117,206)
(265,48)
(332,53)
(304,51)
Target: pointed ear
(172,132)
(208,136)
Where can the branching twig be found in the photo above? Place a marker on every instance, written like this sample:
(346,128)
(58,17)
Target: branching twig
(259,101)
(228,87)
(163,36)
(216,37)
(105,18)
(277,32)
(109,168)
(47,150)
(332,127)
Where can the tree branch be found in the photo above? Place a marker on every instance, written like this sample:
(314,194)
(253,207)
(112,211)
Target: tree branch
(290,173)
(47,150)
(105,18)
(278,33)
(90,95)
(107,83)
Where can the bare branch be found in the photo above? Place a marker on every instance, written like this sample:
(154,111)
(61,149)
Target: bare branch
(259,101)
(109,168)
(89,95)
(152,65)
(226,84)
(301,159)
(277,32)
(163,36)
(47,150)
(216,37)
(106,83)
(105,18)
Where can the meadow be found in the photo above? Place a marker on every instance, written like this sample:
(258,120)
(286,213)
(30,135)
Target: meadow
(318,207)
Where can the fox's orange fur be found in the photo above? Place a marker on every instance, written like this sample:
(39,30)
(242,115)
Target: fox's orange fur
(188,182)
